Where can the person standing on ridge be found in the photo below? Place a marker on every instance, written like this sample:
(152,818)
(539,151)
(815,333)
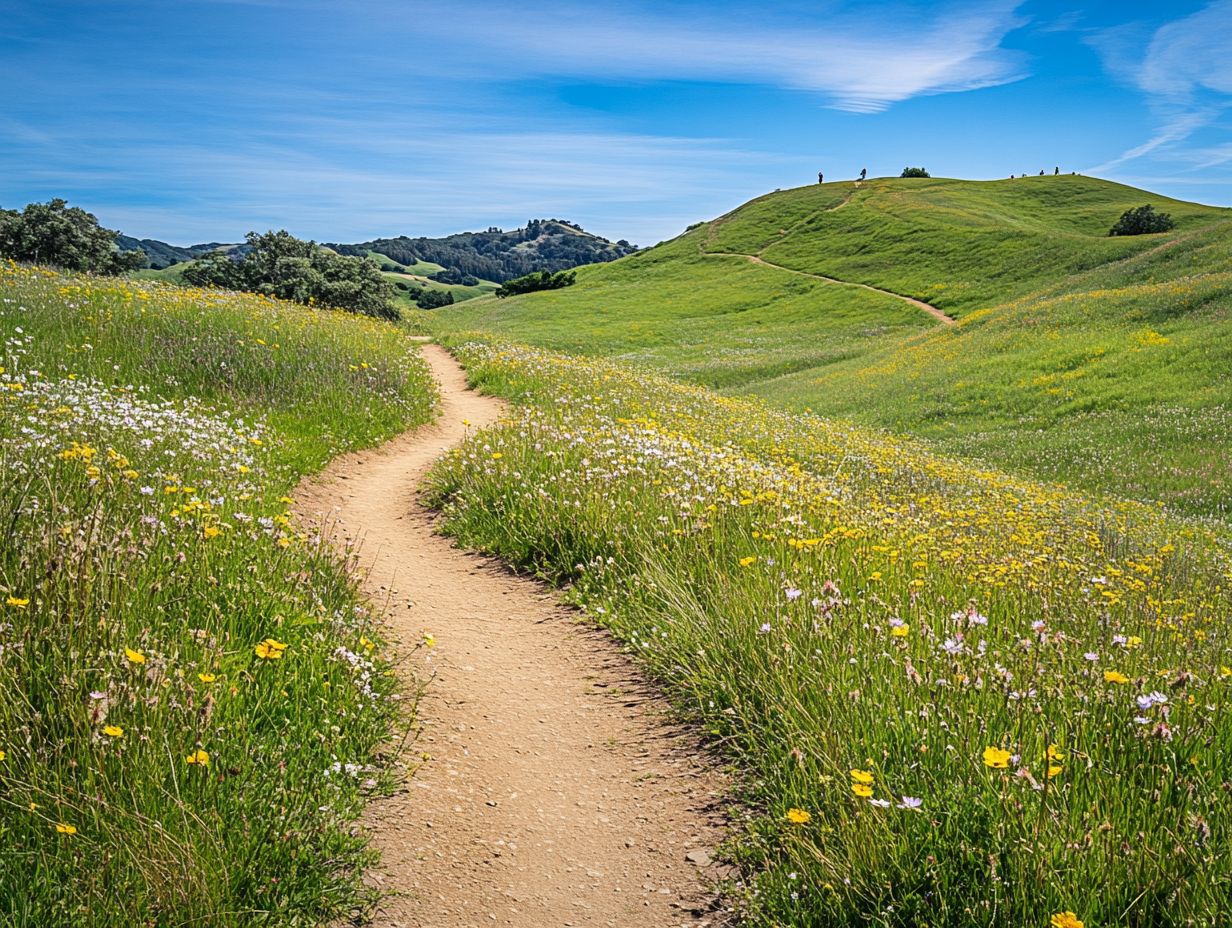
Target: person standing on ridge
(821,178)
(863,173)
(1056,170)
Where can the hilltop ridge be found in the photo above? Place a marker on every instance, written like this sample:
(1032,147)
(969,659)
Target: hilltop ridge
(1074,351)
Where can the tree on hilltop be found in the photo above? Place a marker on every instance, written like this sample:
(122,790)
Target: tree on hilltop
(64,236)
(914,172)
(1142,220)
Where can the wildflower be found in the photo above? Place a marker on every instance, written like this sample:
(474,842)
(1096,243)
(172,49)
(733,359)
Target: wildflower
(134,657)
(206,677)
(861,776)
(198,759)
(1066,920)
(880,803)
(1155,698)
(746,561)
(497,456)
(113,731)
(1091,656)
(1053,770)
(911,802)
(862,789)
(1055,753)
(952,646)
(17,602)
(3,755)
(764,629)
(270,649)
(1113,676)
(429,639)
(996,758)
(900,631)
(793,594)
(798,816)
(210,531)
(65,828)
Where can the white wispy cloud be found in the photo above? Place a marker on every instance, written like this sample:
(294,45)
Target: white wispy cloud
(1185,70)
(860,60)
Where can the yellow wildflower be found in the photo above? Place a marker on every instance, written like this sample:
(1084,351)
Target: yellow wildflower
(65,828)
(113,731)
(798,816)
(270,649)
(861,776)
(1114,676)
(996,758)
(134,657)
(17,602)
(198,759)
(1066,920)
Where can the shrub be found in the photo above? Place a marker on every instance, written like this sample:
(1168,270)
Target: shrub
(64,236)
(539,280)
(915,172)
(1142,220)
(279,264)
(434,299)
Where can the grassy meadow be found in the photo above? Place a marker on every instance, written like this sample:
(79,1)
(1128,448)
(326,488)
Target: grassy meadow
(958,697)
(1078,358)
(192,702)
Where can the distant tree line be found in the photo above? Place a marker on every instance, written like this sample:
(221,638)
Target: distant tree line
(279,264)
(64,236)
(544,244)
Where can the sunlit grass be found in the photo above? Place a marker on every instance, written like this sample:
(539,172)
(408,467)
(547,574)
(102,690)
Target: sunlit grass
(959,698)
(191,697)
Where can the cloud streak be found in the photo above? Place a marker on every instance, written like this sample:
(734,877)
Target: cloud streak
(860,63)
(1185,71)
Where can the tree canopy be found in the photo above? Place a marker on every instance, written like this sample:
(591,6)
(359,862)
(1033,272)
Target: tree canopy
(1142,220)
(281,265)
(539,280)
(63,236)
(914,172)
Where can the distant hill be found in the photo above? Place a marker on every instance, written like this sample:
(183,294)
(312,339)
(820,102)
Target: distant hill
(162,255)
(462,259)
(543,245)
(1093,360)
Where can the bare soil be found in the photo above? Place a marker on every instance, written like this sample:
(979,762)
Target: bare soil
(551,788)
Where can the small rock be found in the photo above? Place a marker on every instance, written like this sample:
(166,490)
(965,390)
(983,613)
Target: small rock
(699,856)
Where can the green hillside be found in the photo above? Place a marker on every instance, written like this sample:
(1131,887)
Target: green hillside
(1078,357)
(171,680)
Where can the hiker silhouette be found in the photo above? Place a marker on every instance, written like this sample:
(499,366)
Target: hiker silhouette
(863,173)
(821,178)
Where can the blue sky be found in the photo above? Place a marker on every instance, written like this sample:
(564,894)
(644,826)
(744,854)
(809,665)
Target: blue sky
(198,120)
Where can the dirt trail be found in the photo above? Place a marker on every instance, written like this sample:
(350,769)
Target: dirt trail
(919,304)
(554,793)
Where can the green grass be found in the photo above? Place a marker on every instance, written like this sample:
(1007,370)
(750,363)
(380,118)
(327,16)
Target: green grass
(857,620)
(148,438)
(1052,371)
(713,320)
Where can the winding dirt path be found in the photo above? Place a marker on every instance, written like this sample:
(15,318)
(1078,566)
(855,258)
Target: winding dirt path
(552,791)
(919,304)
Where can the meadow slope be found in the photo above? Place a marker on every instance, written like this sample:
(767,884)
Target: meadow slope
(192,701)
(1078,358)
(958,698)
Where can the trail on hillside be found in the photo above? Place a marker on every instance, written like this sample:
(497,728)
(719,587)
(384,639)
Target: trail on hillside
(919,304)
(552,791)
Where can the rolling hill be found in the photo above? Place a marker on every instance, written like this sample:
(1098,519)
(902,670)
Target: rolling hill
(1085,359)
